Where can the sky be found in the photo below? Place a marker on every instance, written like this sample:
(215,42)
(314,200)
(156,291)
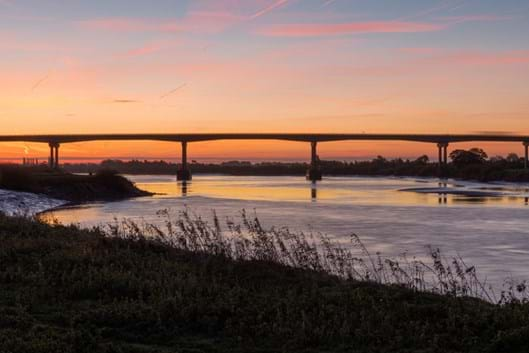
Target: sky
(385,66)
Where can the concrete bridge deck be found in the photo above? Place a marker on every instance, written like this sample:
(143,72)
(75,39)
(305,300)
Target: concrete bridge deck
(314,173)
(301,137)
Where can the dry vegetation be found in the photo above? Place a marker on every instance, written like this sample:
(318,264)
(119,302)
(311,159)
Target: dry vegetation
(194,287)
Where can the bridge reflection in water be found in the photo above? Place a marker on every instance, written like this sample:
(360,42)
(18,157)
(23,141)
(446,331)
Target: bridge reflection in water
(314,172)
(184,189)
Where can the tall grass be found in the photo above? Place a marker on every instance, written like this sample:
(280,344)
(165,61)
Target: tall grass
(248,240)
(130,289)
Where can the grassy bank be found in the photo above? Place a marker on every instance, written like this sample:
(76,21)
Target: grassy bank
(102,186)
(69,290)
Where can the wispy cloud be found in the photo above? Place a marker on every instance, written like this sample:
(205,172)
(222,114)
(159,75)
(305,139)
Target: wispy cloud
(474,18)
(143,50)
(125,101)
(488,58)
(330,29)
(420,51)
(494,132)
(6,3)
(199,22)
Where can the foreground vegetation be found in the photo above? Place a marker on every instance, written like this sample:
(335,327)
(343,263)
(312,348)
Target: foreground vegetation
(102,186)
(473,164)
(192,287)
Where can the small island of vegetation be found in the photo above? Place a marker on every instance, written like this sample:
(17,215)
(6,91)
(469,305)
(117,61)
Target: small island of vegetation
(103,185)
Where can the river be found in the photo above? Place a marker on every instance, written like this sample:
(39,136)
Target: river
(486,224)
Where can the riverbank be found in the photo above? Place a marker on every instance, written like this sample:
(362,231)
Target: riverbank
(71,290)
(102,186)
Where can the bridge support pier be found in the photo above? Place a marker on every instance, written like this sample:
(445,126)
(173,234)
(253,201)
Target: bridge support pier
(314,172)
(183,174)
(526,155)
(443,159)
(51,159)
(54,155)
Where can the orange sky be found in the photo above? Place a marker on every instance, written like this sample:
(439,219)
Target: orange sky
(261,66)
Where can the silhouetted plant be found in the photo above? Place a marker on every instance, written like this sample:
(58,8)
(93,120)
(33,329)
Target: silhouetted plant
(250,241)
(472,156)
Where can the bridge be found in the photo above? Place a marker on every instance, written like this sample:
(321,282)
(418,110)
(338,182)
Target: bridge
(314,172)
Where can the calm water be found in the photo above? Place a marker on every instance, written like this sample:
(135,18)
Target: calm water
(487,224)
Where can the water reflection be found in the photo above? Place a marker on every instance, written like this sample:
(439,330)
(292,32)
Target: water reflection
(488,228)
(346,190)
(183,187)
(313,191)
(443,197)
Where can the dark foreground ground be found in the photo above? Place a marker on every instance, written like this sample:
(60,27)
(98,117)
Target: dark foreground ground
(69,290)
(101,186)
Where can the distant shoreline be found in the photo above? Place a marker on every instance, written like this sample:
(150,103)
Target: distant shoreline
(487,171)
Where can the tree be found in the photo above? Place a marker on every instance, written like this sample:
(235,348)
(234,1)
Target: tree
(513,158)
(380,160)
(472,156)
(422,160)
(497,160)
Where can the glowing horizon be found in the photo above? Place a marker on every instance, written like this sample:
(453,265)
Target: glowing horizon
(450,66)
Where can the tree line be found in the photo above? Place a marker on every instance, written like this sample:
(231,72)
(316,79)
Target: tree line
(473,163)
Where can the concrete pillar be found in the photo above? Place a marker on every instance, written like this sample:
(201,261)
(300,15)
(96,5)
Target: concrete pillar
(313,154)
(443,158)
(314,172)
(526,159)
(51,161)
(440,160)
(183,173)
(57,156)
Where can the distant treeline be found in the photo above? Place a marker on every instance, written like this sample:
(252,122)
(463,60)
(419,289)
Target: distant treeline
(465,164)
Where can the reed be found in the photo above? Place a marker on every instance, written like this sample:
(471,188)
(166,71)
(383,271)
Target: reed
(248,240)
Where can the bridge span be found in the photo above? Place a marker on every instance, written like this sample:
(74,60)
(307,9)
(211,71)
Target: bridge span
(314,172)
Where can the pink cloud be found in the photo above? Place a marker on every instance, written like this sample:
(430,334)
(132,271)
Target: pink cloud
(118,25)
(420,51)
(144,50)
(317,30)
(208,17)
(498,58)
(196,21)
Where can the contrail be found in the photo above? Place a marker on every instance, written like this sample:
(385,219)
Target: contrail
(40,82)
(327,3)
(444,5)
(266,10)
(163,96)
